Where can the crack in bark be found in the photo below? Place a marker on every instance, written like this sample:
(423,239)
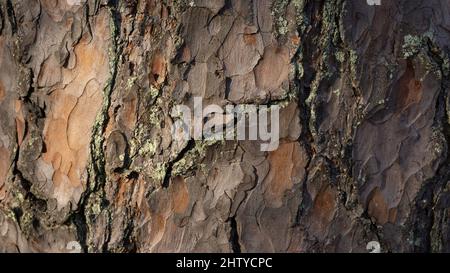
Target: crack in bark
(234,236)
(11,16)
(424,216)
(96,173)
(168,175)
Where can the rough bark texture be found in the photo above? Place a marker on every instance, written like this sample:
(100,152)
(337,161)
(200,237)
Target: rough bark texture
(87,155)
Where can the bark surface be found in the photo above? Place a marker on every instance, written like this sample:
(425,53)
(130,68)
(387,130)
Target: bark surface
(87,157)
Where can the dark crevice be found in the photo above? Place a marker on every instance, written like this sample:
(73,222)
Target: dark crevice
(228,82)
(424,215)
(2,19)
(78,218)
(128,242)
(97,175)
(227,6)
(374,229)
(11,16)
(302,86)
(234,236)
(180,155)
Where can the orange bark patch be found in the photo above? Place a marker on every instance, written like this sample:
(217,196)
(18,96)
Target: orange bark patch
(67,131)
(180,195)
(324,208)
(409,89)
(250,39)
(20,122)
(2,92)
(283,165)
(83,116)
(273,69)
(295,40)
(378,208)
(158,68)
(123,187)
(4,167)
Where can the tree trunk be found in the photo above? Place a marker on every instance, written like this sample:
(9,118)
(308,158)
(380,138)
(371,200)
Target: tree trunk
(88,160)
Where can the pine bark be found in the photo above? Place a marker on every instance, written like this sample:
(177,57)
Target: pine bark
(87,154)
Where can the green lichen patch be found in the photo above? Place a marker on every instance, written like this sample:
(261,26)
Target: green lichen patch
(278,12)
(159,172)
(192,158)
(412,45)
(148,149)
